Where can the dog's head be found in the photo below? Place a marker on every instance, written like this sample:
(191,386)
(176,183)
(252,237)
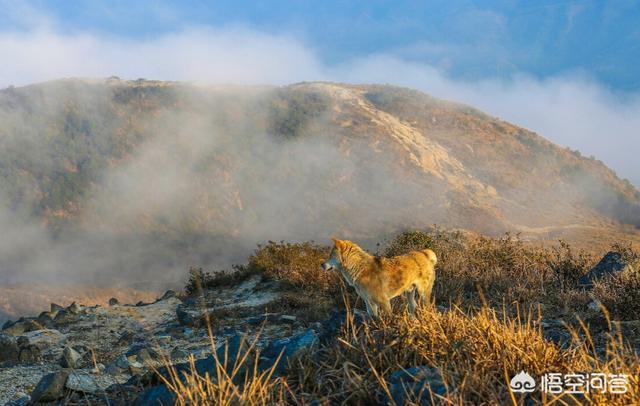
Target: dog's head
(335,259)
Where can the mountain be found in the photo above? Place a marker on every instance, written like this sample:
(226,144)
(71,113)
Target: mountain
(104,179)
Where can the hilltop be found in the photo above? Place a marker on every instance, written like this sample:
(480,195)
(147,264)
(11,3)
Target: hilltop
(135,181)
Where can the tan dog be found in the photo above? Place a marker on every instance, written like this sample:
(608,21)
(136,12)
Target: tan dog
(378,280)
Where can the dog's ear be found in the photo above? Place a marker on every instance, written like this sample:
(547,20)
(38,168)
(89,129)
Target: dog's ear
(338,243)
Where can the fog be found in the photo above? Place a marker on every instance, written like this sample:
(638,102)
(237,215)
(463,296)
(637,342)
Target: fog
(158,190)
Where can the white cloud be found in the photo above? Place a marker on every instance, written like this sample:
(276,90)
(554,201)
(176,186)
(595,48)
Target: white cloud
(571,110)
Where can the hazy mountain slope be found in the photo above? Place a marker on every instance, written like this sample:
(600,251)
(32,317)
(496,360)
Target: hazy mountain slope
(125,179)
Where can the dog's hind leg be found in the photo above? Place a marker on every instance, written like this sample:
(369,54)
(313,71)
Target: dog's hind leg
(411,299)
(424,292)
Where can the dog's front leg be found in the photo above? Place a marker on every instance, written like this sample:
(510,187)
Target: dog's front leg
(372,308)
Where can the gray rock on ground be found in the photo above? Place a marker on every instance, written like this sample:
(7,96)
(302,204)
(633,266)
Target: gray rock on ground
(51,387)
(8,349)
(611,264)
(416,384)
(70,358)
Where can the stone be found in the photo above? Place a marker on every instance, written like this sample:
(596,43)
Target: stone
(82,382)
(122,362)
(416,384)
(285,318)
(43,339)
(157,395)
(51,387)
(64,317)
(45,318)
(56,307)
(30,354)
(190,317)
(22,326)
(20,399)
(611,264)
(262,318)
(135,368)
(113,301)
(178,353)
(70,358)
(595,306)
(74,308)
(142,354)
(9,350)
(331,327)
(288,347)
(168,295)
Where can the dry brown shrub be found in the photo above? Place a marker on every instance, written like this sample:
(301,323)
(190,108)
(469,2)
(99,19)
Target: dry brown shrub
(295,263)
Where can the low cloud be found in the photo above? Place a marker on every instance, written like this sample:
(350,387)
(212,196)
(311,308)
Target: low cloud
(571,110)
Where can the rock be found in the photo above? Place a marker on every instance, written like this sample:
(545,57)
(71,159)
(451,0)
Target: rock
(141,303)
(97,369)
(51,387)
(157,395)
(288,347)
(142,354)
(190,317)
(168,295)
(30,354)
(45,318)
(595,306)
(56,308)
(70,358)
(20,399)
(611,264)
(113,301)
(331,327)
(122,362)
(416,384)
(82,382)
(267,317)
(561,337)
(8,349)
(43,339)
(63,318)
(22,326)
(179,353)
(74,308)
(135,368)
(285,318)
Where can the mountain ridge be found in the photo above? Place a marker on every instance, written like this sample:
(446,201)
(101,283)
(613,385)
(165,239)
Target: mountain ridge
(129,165)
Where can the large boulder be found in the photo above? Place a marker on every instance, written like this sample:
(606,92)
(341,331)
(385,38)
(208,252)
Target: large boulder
(611,264)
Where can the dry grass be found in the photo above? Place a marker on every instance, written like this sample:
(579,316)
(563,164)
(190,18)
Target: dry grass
(236,380)
(297,264)
(476,355)
(497,292)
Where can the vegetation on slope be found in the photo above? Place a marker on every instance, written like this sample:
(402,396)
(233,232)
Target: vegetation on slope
(493,297)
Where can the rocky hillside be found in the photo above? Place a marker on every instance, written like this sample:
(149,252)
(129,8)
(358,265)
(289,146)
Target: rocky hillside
(280,322)
(75,151)
(134,181)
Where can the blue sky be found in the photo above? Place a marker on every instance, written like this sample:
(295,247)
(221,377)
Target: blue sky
(566,69)
(466,39)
